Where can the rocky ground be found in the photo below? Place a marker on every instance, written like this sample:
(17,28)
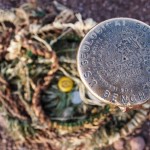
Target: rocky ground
(99,10)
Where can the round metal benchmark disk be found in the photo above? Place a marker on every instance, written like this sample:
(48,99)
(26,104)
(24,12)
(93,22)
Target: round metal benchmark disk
(114,61)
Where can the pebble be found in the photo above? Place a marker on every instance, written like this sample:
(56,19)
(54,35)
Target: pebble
(76,97)
(119,145)
(137,143)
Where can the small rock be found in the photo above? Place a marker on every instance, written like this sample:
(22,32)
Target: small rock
(68,112)
(76,97)
(119,145)
(137,143)
(147,148)
(4,141)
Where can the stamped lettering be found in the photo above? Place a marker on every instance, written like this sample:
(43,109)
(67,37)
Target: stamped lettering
(87,74)
(106,94)
(115,57)
(92,83)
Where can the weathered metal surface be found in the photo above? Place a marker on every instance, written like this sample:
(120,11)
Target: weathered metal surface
(114,61)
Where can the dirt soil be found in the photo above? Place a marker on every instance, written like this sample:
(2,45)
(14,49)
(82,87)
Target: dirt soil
(99,10)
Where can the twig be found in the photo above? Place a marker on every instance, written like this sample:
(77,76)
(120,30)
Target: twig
(59,37)
(42,41)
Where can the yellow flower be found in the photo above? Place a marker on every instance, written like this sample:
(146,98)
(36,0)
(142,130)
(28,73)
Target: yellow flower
(65,84)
